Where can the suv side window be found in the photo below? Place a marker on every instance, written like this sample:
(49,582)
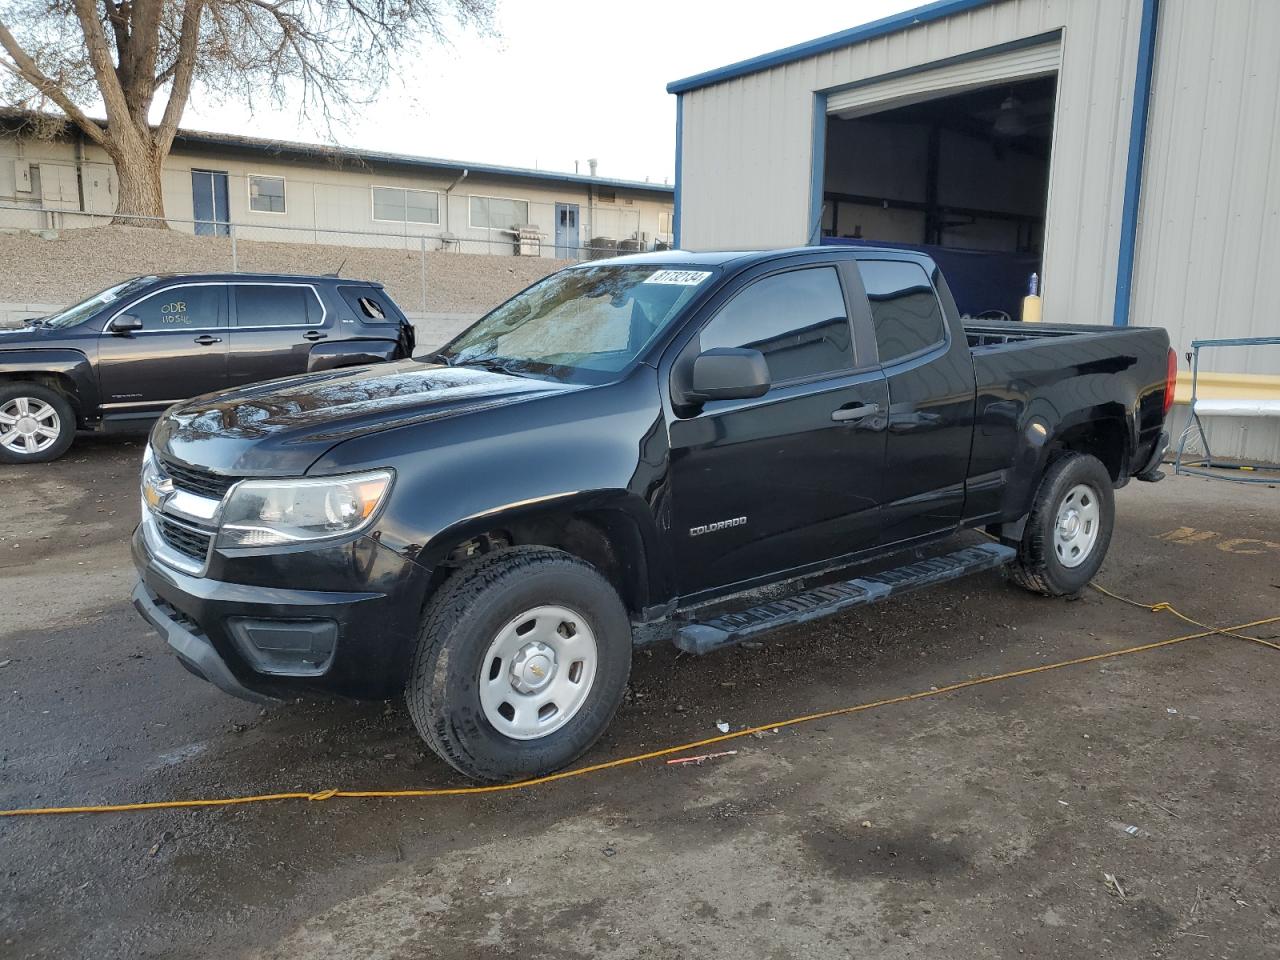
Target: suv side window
(904,308)
(368,304)
(275,305)
(798,320)
(181,308)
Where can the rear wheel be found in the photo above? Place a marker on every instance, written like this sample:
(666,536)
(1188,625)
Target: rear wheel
(522,662)
(1069,528)
(36,424)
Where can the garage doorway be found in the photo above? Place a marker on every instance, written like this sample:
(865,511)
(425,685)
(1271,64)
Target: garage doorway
(959,169)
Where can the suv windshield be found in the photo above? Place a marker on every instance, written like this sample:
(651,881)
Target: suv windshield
(582,325)
(87,308)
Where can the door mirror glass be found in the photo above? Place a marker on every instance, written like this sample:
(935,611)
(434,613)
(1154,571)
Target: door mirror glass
(126,323)
(729,373)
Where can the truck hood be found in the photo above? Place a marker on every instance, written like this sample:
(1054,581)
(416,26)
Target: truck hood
(279,428)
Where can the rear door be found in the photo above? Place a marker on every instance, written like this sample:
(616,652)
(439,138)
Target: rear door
(931,400)
(180,352)
(775,483)
(274,326)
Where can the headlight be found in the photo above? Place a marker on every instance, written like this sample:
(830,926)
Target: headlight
(264,513)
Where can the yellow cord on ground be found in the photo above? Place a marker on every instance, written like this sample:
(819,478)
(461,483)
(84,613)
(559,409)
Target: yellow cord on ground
(681,748)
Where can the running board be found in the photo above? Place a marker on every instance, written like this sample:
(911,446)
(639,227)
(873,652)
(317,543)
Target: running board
(731,628)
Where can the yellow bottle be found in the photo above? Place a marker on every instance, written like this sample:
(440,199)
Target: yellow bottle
(1031,302)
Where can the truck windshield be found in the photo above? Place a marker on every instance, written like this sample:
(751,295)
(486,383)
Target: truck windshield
(581,325)
(87,308)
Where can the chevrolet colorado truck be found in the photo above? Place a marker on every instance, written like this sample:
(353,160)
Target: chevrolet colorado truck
(122,356)
(678,447)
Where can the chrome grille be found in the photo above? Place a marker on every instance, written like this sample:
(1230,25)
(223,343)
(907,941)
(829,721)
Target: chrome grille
(188,541)
(197,481)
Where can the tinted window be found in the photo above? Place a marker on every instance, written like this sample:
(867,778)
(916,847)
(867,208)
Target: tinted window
(181,308)
(274,306)
(904,308)
(797,320)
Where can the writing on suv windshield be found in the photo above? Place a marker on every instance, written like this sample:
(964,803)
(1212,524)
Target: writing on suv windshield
(584,324)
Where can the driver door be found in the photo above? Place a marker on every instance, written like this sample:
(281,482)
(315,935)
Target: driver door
(766,486)
(180,351)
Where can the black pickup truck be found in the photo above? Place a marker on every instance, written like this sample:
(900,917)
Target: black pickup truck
(123,355)
(627,453)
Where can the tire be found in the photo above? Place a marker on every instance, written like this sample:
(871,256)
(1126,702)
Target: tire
(1058,565)
(476,651)
(28,414)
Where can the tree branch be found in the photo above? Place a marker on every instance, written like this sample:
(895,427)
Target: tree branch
(183,71)
(26,68)
(104,70)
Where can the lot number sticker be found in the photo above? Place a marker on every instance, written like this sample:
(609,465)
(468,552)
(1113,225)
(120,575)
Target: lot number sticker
(679,278)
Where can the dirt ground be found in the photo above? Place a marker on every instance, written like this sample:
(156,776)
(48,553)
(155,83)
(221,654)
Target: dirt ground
(980,823)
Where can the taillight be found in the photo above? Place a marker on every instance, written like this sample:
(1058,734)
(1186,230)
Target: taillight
(1170,382)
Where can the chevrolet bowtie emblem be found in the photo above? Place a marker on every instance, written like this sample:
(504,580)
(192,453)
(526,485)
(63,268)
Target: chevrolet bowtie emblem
(155,492)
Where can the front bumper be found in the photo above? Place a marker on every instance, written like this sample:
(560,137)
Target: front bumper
(368,609)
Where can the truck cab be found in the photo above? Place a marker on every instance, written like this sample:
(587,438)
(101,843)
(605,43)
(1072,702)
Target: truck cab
(626,453)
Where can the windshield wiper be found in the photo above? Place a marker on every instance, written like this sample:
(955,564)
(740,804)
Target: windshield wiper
(500,364)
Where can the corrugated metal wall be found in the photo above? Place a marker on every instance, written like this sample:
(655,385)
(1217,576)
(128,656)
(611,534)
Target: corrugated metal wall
(747,143)
(1209,235)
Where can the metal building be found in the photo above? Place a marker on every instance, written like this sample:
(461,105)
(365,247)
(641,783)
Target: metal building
(1126,151)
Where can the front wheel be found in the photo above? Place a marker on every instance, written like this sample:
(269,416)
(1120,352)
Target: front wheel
(36,424)
(1069,528)
(522,662)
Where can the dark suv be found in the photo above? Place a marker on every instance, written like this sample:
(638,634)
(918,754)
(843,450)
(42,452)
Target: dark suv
(125,354)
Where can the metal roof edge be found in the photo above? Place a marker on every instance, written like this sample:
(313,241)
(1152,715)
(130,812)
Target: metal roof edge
(322,151)
(937,10)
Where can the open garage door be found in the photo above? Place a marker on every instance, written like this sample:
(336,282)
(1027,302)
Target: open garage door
(954,161)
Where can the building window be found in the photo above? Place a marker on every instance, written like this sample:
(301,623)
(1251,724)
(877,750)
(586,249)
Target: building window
(499,213)
(266,194)
(665,224)
(401,205)
(607,196)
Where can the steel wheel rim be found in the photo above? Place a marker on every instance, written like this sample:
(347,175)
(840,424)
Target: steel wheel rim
(1075,529)
(538,672)
(29,425)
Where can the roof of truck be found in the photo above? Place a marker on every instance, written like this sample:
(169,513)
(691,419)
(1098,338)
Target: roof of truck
(742,258)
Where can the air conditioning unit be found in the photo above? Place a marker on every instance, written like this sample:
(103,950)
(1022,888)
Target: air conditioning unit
(528,241)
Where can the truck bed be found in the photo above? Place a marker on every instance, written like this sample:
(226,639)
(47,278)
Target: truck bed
(997,333)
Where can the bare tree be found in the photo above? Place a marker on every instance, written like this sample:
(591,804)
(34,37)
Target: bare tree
(75,55)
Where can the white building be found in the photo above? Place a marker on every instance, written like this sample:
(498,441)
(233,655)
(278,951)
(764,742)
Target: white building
(1126,151)
(262,189)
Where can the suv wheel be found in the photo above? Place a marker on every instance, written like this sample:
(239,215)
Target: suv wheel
(1069,527)
(36,424)
(522,662)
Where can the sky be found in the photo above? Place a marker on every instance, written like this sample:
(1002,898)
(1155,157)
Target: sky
(563,82)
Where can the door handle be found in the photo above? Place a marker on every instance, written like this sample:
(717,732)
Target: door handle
(314,335)
(204,340)
(855,413)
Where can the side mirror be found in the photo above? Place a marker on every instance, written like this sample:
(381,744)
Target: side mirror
(729,373)
(126,323)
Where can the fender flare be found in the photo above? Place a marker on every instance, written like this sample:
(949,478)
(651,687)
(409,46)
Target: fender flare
(626,520)
(62,364)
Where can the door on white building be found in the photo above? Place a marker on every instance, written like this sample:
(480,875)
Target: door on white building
(209,203)
(566,230)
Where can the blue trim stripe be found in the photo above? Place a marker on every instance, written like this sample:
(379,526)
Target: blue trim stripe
(800,51)
(1133,172)
(818,168)
(675,217)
